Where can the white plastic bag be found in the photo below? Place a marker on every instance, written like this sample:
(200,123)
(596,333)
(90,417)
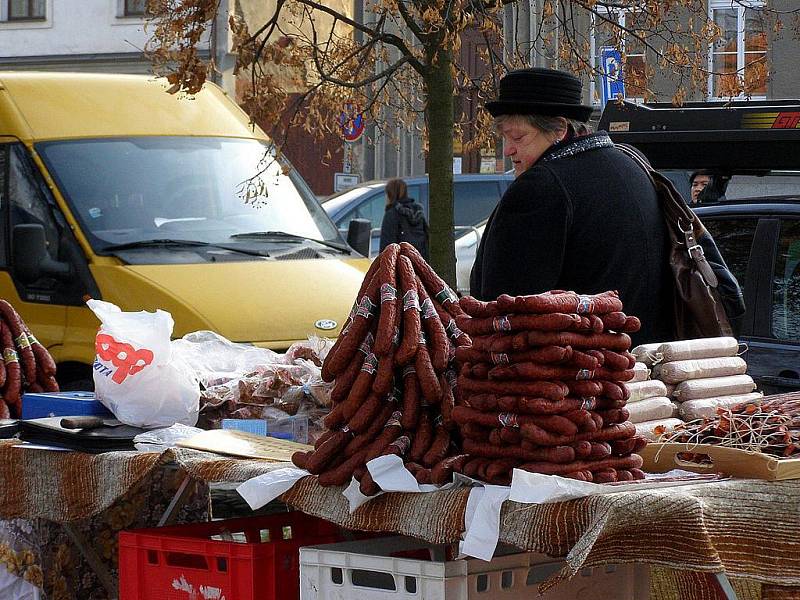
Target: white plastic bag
(135,374)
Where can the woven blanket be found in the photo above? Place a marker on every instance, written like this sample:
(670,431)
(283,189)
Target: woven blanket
(747,528)
(65,486)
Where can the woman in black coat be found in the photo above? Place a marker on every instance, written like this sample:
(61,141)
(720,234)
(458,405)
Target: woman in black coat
(579,216)
(404,219)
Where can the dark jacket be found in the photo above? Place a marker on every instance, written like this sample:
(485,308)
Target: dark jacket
(404,221)
(584,218)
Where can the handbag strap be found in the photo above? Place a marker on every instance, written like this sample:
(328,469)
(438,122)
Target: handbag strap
(694,249)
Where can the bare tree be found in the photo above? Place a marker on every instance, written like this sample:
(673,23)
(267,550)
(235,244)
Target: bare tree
(401,64)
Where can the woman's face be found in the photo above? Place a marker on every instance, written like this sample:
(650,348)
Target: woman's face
(523,144)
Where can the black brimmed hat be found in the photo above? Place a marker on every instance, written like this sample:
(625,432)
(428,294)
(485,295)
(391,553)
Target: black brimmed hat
(540,92)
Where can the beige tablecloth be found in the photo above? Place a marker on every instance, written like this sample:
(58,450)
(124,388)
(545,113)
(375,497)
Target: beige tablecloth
(746,528)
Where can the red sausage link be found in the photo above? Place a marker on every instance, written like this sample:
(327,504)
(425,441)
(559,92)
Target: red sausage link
(412,327)
(428,381)
(411,399)
(44,361)
(12,392)
(362,316)
(437,288)
(439,343)
(388,299)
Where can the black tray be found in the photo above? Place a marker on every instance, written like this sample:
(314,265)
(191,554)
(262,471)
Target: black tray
(101,439)
(8,428)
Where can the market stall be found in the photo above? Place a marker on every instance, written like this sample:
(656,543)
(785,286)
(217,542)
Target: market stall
(452,421)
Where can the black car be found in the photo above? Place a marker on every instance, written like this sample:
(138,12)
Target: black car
(474,199)
(755,148)
(760,240)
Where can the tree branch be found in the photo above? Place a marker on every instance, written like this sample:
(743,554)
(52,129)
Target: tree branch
(387,38)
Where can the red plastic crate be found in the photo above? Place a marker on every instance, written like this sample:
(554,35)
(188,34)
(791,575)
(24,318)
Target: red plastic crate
(182,562)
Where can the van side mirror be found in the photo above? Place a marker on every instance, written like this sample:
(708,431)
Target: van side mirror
(359,235)
(30,258)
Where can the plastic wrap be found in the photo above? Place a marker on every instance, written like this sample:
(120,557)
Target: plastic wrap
(645,389)
(641,372)
(712,387)
(650,409)
(707,407)
(699,348)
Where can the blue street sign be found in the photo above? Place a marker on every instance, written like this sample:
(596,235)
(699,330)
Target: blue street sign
(611,77)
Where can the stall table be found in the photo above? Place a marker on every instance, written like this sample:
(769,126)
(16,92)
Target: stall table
(747,529)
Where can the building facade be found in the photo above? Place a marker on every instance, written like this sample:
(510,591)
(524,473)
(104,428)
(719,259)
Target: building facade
(75,35)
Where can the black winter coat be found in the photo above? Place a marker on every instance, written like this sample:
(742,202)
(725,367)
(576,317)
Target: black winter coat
(584,218)
(404,221)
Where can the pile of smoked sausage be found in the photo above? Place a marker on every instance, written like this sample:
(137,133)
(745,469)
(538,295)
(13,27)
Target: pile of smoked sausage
(394,377)
(26,366)
(541,388)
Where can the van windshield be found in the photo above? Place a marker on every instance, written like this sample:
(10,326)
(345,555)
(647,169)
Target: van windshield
(125,190)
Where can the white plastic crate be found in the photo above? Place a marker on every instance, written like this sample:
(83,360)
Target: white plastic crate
(370,570)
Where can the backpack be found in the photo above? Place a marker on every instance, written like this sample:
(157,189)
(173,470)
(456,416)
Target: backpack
(707,295)
(416,234)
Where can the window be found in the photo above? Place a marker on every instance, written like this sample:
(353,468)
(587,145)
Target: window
(135,8)
(26,10)
(474,201)
(608,32)
(734,238)
(740,54)
(374,206)
(26,201)
(372,209)
(786,283)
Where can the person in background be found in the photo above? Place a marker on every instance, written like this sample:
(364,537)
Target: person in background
(698,181)
(404,220)
(581,215)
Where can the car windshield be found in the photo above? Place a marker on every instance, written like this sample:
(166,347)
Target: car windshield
(126,190)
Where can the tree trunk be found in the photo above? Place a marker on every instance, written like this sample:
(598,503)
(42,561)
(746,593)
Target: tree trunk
(439,118)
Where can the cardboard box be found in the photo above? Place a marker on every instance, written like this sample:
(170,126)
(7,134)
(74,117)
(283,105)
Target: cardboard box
(661,457)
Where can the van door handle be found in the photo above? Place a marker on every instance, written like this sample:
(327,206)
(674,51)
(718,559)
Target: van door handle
(784,382)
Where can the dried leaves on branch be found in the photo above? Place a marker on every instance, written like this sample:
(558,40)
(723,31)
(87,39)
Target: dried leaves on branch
(300,62)
(310,57)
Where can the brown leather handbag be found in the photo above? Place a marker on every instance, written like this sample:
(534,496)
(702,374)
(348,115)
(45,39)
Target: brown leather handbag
(707,294)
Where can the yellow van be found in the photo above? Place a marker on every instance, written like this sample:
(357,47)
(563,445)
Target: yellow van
(112,188)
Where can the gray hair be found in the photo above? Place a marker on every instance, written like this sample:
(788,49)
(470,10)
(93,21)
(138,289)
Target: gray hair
(546,124)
